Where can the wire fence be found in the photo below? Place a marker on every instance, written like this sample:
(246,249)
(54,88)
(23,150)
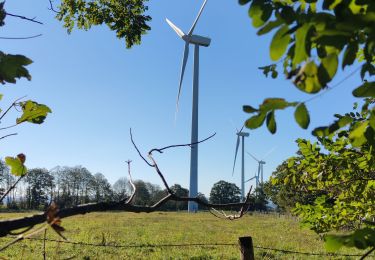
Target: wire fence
(285,251)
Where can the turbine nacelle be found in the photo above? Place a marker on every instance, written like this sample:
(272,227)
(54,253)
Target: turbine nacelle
(243,134)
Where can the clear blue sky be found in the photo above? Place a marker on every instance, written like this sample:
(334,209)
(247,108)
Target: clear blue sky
(98,89)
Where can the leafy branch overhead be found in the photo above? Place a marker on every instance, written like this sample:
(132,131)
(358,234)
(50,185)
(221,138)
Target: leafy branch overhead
(126,17)
(312,39)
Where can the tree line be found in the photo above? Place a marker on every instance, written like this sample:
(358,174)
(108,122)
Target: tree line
(72,186)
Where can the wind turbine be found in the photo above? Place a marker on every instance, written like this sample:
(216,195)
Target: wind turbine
(197,41)
(241,137)
(260,168)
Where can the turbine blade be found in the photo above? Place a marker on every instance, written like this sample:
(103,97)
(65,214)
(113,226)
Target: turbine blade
(184,61)
(175,28)
(269,152)
(251,179)
(235,154)
(196,19)
(252,156)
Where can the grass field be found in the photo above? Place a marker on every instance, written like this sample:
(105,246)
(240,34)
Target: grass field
(160,228)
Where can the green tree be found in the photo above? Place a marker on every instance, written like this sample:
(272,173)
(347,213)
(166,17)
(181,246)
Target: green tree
(224,192)
(40,184)
(284,196)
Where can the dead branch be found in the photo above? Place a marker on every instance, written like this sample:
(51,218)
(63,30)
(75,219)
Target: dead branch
(24,18)
(5,136)
(52,7)
(7,226)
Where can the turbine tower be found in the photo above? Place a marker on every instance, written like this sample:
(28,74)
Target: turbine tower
(197,41)
(241,137)
(260,169)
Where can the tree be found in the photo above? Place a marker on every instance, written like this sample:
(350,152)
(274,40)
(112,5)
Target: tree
(102,188)
(121,188)
(40,184)
(342,178)
(177,205)
(142,194)
(284,196)
(312,38)
(310,41)
(225,192)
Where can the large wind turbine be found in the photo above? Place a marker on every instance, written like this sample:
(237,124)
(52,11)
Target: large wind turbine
(241,137)
(197,41)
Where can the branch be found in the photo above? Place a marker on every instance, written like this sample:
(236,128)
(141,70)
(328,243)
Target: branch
(5,136)
(12,105)
(14,185)
(24,18)
(51,7)
(21,38)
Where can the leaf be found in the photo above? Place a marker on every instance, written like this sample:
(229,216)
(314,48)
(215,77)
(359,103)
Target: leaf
(243,2)
(350,54)
(301,40)
(328,68)
(260,12)
(255,121)
(270,26)
(275,103)
(271,123)
(249,109)
(16,165)
(307,78)
(279,43)
(332,243)
(12,67)
(33,112)
(365,90)
(302,117)
(357,135)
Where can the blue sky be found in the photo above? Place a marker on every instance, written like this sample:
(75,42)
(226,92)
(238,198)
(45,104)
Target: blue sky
(97,90)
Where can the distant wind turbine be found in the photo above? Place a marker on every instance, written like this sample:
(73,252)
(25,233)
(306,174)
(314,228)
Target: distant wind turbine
(241,135)
(197,41)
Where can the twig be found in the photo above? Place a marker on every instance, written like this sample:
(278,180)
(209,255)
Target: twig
(131,183)
(12,105)
(368,253)
(24,18)
(5,136)
(44,244)
(20,38)
(52,8)
(136,148)
(14,185)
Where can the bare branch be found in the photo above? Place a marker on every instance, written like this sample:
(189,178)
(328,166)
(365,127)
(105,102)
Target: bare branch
(20,38)
(51,7)
(24,18)
(14,185)
(136,148)
(5,136)
(130,199)
(12,105)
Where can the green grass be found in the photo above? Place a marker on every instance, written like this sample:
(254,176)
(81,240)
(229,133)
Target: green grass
(118,228)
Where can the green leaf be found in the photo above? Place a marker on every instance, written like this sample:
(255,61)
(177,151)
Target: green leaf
(17,167)
(260,12)
(12,67)
(270,26)
(33,112)
(357,135)
(302,116)
(365,90)
(328,68)
(307,78)
(301,40)
(350,54)
(279,43)
(332,243)
(249,109)
(255,121)
(275,103)
(243,2)
(271,123)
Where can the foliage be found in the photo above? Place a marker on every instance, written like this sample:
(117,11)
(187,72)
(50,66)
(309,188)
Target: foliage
(39,188)
(312,39)
(283,195)
(125,17)
(224,192)
(345,177)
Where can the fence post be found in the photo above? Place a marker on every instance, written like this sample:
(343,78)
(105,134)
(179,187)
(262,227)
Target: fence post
(246,247)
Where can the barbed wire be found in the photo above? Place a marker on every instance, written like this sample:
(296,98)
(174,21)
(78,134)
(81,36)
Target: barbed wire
(285,251)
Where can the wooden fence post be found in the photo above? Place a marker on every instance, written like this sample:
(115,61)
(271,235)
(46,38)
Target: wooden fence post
(246,247)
